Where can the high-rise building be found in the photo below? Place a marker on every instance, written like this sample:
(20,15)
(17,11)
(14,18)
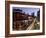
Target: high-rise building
(38,15)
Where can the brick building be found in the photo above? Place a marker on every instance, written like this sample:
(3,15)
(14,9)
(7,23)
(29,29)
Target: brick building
(19,18)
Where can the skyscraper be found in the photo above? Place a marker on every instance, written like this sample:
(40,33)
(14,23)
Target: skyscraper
(38,15)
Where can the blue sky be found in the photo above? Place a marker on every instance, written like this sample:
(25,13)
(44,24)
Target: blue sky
(28,10)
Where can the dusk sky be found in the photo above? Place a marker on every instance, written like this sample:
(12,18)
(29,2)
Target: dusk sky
(28,10)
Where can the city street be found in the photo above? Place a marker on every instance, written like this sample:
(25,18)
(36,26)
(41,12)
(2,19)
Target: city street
(31,25)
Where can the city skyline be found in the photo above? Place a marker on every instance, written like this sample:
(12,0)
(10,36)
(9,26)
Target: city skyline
(28,10)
